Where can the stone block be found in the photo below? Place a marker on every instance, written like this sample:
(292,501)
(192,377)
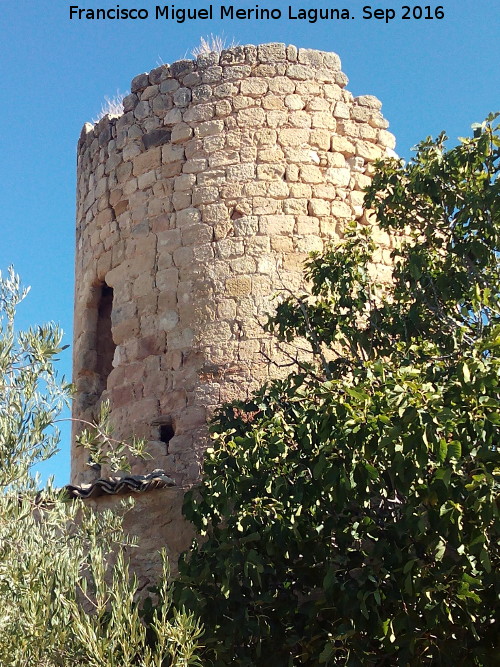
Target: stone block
(311,174)
(173,117)
(271,53)
(167,279)
(183,257)
(195,166)
(181,200)
(211,177)
(387,139)
(340,209)
(300,72)
(196,234)
(368,152)
(142,110)
(342,145)
(338,176)
(293,137)
(276,119)
(146,181)
(168,320)
(299,119)
(229,247)
(272,102)
(213,213)
(181,132)
(130,102)
(368,101)
(323,119)
(241,172)
(305,245)
(368,133)
(276,224)
(172,153)
(270,172)
(254,87)
(139,83)
(306,224)
(223,108)
(182,97)
(319,207)
(147,161)
(209,128)
(281,85)
(180,339)
(311,57)
(234,72)
(156,137)
(238,286)
(253,117)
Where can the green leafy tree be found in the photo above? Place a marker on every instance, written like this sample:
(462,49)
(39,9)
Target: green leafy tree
(67,597)
(349,513)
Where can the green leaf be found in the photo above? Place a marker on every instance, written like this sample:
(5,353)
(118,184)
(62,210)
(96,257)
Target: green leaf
(326,654)
(440,550)
(454,450)
(485,560)
(371,470)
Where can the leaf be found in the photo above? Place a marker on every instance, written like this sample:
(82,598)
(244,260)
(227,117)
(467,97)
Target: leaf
(329,579)
(440,549)
(485,560)
(493,417)
(465,373)
(326,654)
(443,450)
(454,450)
(357,393)
(371,470)
(409,565)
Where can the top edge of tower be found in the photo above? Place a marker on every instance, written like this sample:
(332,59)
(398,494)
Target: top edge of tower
(234,63)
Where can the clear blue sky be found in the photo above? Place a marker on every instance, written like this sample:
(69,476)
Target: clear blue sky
(430,75)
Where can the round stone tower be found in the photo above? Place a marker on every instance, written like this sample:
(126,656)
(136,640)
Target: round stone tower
(194,209)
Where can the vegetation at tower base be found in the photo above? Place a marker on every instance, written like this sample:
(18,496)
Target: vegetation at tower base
(63,601)
(349,514)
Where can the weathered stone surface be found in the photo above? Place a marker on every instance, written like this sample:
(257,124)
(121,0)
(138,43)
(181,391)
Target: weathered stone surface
(197,206)
(139,82)
(156,138)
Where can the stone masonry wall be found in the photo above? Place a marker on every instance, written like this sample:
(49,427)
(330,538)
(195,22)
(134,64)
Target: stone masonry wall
(196,207)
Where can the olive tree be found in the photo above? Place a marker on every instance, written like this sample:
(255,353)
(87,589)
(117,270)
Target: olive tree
(67,596)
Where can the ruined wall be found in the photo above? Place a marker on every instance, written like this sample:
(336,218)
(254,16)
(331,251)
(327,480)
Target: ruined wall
(194,208)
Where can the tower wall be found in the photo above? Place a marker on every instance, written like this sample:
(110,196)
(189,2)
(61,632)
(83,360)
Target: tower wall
(194,208)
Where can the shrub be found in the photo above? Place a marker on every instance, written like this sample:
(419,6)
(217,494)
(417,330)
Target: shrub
(349,514)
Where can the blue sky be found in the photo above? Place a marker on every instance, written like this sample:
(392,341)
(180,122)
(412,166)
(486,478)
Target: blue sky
(55,72)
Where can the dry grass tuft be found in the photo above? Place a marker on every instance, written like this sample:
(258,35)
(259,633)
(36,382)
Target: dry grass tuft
(112,106)
(213,44)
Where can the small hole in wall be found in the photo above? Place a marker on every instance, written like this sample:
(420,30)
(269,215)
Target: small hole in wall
(235,214)
(166,432)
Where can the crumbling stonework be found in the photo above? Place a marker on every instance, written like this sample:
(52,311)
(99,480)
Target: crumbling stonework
(194,208)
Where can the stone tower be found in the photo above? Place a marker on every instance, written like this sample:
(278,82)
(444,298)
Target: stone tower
(194,208)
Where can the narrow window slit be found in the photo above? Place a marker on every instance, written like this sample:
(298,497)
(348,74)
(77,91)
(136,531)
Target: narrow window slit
(105,346)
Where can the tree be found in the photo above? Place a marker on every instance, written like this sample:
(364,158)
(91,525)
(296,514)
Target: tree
(65,598)
(349,514)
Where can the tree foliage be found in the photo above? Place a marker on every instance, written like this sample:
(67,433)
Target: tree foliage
(349,514)
(67,595)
